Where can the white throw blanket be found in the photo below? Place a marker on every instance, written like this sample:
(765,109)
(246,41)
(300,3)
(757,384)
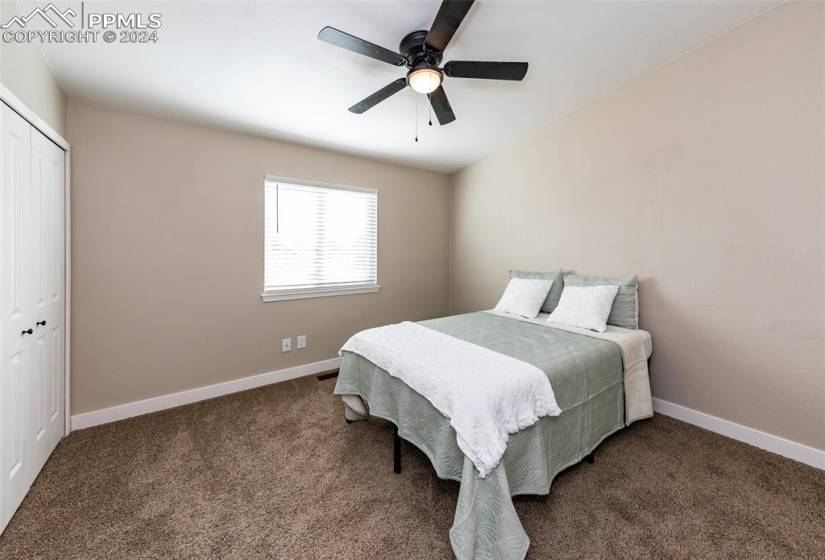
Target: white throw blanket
(486,395)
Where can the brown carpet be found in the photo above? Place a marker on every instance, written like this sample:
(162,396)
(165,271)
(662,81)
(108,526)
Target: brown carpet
(276,473)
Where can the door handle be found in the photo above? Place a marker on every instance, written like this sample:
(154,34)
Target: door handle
(39,323)
(27,331)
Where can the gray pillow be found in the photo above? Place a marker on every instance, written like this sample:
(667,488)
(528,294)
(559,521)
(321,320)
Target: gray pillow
(625,310)
(555,290)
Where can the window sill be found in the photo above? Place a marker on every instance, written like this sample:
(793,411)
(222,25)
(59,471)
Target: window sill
(305,293)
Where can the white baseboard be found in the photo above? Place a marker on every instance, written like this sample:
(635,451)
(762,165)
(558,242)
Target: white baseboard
(775,444)
(154,404)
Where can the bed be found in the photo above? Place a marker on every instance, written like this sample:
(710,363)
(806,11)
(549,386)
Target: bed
(601,385)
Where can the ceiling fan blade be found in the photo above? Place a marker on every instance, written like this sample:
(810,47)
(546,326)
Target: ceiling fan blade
(441,106)
(355,44)
(449,17)
(379,96)
(486,70)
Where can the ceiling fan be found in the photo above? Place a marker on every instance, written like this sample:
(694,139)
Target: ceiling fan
(421,52)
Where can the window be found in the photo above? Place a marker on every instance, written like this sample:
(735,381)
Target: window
(319,240)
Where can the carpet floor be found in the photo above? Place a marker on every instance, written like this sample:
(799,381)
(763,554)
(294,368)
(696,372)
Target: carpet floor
(276,473)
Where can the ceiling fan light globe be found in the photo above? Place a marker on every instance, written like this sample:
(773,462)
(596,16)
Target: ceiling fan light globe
(424,80)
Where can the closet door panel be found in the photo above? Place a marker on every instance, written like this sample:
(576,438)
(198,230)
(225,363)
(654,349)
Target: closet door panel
(46,195)
(32,308)
(16,387)
(35,304)
(56,293)
(55,318)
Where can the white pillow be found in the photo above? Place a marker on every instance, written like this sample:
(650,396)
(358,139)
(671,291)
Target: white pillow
(586,307)
(524,296)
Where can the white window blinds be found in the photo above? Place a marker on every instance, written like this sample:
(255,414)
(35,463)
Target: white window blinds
(319,239)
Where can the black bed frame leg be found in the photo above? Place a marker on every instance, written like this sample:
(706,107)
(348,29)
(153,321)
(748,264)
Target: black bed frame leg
(589,458)
(396,452)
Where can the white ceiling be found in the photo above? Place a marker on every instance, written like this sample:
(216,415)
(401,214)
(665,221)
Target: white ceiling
(258,67)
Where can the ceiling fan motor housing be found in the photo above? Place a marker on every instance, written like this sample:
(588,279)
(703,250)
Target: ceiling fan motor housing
(414,49)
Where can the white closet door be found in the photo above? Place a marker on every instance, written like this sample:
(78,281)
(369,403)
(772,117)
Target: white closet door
(31,299)
(15,384)
(45,227)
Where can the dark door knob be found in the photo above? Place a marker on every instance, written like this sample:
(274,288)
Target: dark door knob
(39,323)
(28,331)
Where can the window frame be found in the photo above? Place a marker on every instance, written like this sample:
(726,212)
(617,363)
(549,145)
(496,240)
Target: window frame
(284,294)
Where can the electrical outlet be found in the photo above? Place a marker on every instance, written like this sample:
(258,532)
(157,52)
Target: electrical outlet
(301,342)
(286,344)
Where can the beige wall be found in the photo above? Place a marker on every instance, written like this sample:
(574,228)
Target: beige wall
(167,247)
(25,72)
(707,179)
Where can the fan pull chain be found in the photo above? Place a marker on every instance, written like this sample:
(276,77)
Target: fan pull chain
(431,114)
(416,119)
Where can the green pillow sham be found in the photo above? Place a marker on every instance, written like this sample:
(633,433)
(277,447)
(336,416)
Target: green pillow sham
(625,310)
(555,290)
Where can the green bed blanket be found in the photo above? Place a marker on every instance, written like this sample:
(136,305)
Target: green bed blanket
(586,375)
